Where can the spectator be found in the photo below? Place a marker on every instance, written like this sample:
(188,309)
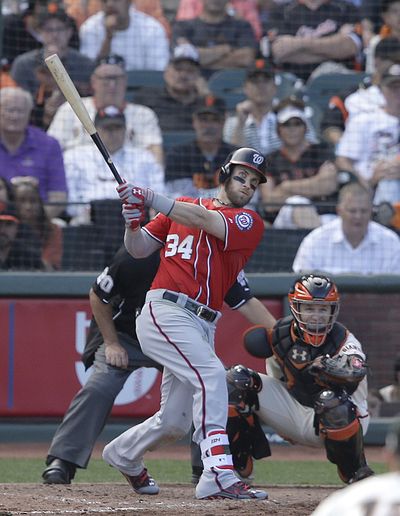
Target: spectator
(370,143)
(192,169)
(14,253)
(246,9)
(21,31)
(55,31)
(352,243)
(306,33)
(121,29)
(365,97)
(184,85)
(300,173)
(6,191)
(390,13)
(109,82)
(376,495)
(31,212)
(80,11)
(28,151)
(223,41)
(391,393)
(31,73)
(132,163)
(254,123)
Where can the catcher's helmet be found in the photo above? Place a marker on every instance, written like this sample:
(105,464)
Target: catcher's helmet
(247,156)
(314,289)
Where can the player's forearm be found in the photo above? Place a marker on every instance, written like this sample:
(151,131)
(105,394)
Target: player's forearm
(257,313)
(139,244)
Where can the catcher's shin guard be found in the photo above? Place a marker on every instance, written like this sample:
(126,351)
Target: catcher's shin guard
(337,421)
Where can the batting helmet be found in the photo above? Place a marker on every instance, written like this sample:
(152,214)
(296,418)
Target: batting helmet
(248,157)
(314,290)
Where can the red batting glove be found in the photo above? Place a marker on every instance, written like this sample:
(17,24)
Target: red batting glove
(133,215)
(131,194)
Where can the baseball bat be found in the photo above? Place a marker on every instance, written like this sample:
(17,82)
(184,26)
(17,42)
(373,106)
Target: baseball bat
(66,85)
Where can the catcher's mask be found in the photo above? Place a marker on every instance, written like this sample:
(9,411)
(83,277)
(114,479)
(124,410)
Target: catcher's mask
(314,290)
(248,157)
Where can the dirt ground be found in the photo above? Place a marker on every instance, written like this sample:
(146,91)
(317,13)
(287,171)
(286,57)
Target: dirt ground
(173,499)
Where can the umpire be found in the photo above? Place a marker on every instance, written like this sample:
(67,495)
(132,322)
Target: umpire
(112,347)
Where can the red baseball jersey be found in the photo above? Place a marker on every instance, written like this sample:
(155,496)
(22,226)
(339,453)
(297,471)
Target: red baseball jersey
(199,264)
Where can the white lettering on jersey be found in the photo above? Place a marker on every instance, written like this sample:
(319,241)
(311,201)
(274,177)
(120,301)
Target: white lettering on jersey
(173,247)
(105,281)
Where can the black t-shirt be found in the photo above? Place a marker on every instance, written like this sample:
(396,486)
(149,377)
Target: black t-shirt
(25,252)
(296,19)
(281,168)
(22,258)
(172,114)
(188,162)
(232,31)
(17,40)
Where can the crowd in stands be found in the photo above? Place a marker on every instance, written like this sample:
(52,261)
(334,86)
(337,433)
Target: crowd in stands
(333,164)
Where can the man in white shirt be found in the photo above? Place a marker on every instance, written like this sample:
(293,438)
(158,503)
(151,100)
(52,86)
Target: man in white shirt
(121,29)
(351,243)
(85,161)
(370,144)
(109,82)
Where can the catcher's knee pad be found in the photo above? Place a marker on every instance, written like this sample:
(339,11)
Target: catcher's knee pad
(336,415)
(243,386)
(215,451)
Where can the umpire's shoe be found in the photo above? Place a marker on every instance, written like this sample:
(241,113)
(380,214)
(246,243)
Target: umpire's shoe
(143,483)
(59,472)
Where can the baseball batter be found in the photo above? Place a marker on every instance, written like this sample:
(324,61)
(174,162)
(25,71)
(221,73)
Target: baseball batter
(116,298)
(205,243)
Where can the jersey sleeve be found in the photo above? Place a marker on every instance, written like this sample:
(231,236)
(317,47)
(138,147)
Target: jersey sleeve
(239,293)
(106,284)
(244,229)
(352,346)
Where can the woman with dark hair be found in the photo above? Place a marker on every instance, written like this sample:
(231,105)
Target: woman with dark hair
(32,213)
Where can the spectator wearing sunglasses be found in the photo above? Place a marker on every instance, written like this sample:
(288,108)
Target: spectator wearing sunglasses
(301,173)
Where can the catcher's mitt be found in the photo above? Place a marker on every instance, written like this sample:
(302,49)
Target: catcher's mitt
(339,370)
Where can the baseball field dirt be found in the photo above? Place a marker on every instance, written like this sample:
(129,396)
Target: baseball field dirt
(173,499)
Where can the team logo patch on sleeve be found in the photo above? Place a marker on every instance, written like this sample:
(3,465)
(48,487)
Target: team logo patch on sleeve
(244,221)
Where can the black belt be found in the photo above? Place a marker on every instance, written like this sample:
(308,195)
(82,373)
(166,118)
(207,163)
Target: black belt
(200,310)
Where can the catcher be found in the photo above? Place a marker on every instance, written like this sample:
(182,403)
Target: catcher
(315,389)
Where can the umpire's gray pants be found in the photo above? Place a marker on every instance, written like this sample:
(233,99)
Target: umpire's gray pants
(88,412)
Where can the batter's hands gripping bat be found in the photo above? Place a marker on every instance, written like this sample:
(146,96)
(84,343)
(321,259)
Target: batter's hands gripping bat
(66,85)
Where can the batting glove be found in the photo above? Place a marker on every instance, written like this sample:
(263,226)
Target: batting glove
(133,215)
(131,194)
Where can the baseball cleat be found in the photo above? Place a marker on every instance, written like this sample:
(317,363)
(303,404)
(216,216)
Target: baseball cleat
(143,483)
(238,491)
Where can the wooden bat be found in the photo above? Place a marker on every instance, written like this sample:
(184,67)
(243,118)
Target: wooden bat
(71,94)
